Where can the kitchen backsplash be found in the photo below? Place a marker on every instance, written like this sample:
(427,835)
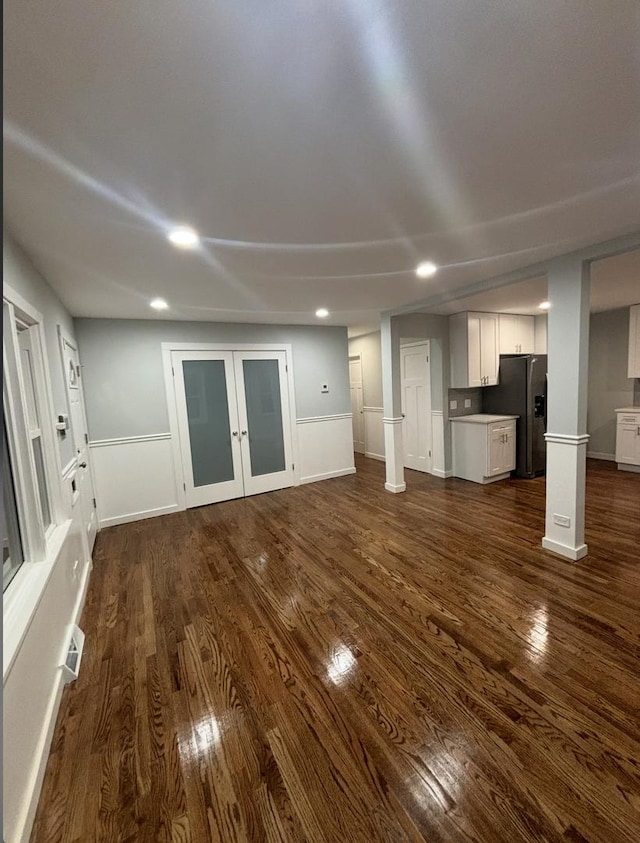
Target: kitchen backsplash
(474,396)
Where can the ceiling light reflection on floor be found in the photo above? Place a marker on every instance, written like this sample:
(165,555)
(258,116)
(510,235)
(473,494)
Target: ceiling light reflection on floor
(341,665)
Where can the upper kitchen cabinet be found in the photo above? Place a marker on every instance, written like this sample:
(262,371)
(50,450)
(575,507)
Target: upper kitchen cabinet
(474,349)
(516,334)
(634,341)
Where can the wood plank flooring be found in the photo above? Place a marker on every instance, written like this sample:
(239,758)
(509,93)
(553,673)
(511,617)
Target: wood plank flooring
(336,663)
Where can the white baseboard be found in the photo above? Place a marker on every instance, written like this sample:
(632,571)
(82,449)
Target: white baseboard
(138,516)
(374,456)
(572,553)
(439,472)
(623,466)
(401,487)
(315,478)
(596,455)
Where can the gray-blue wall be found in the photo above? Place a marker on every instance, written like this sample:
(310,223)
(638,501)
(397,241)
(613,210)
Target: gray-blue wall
(124,381)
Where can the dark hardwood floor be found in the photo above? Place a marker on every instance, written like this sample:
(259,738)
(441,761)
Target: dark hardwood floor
(336,663)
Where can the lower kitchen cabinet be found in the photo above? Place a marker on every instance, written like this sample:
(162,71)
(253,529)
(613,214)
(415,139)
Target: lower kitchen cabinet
(628,438)
(484,447)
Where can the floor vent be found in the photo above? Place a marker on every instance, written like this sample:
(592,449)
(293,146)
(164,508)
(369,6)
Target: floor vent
(73,654)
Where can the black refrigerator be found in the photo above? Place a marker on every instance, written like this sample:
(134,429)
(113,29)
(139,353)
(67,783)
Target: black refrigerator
(522,391)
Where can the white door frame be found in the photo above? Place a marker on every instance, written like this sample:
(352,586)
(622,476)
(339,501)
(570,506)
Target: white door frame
(358,356)
(426,344)
(167,348)
(72,468)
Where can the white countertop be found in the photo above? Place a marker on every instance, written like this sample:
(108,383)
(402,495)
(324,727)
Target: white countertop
(482,418)
(628,410)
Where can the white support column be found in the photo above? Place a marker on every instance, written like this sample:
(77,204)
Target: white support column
(392,419)
(568,360)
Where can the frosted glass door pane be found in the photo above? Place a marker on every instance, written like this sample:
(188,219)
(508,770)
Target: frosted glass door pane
(264,416)
(205,387)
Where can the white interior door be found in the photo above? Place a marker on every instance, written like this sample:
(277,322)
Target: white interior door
(416,406)
(205,393)
(357,411)
(234,423)
(83,477)
(265,422)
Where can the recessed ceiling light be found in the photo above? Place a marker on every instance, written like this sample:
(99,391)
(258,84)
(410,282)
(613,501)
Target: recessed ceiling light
(322,312)
(159,304)
(544,305)
(426,269)
(183,237)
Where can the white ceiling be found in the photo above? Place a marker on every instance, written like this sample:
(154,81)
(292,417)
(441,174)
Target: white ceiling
(323,148)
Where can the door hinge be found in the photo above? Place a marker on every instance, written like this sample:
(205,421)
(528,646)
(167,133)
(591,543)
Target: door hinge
(94,504)
(78,371)
(286,367)
(86,439)
(429,453)
(184,486)
(293,465)
(173,371)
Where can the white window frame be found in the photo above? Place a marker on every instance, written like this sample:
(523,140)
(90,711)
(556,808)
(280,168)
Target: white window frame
(40,547)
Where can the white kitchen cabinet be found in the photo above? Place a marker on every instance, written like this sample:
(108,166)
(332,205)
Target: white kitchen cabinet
(483,447)
(474,349)
(634,341)
(628,438)
(517,334)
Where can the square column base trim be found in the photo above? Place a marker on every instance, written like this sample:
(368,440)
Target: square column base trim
(402,487)
(573,553)
(567,438)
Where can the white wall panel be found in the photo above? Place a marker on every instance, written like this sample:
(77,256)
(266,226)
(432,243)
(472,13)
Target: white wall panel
(134,478)
(325,447)
(373,433)
(438,464)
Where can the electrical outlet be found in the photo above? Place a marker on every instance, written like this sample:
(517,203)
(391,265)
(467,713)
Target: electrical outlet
(561,520)
(453,405)
(467,402)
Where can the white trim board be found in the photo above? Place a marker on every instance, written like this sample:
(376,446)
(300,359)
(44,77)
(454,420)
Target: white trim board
(128,440)
(596,455)
(138,516)
(327,475)
(310,419)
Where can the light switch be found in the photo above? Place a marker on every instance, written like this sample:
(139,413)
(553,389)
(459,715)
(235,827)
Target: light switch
(324,387)
(453,405)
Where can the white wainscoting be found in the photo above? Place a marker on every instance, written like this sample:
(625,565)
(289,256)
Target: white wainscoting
(438,462)
(325,447)
(134,478)
(373,433)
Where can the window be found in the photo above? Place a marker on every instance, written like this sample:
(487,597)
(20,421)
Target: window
(12,556)
(33,414)
(29,450)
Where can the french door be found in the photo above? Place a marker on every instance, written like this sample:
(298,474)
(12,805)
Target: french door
(233,422)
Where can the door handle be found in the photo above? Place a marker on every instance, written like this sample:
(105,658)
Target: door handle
(234,432)
(83,465)
(243,432)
